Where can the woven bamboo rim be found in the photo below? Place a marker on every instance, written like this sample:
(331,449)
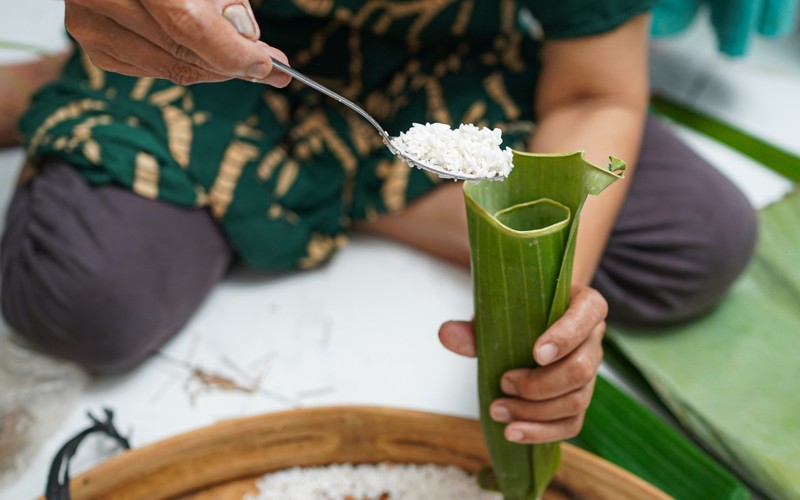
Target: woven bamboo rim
(225,459)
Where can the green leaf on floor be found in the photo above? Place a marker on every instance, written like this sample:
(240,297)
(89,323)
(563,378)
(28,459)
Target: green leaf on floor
(625,433)
(731,377)
(768,155)
(23,47)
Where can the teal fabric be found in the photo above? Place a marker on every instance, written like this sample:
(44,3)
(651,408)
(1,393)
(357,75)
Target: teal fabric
(577,18)
(735,22)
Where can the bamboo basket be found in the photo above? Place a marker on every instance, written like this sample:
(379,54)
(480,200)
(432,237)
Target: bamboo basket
(225,460)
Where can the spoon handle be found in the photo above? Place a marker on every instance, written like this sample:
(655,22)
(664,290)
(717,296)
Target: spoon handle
(330,93)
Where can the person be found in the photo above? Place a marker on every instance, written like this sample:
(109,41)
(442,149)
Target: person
(145,182)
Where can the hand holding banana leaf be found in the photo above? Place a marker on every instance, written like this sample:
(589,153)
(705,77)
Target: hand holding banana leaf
(548,403)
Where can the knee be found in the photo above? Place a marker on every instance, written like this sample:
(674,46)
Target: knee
(684,235)
(90,319)
(685,279)
(111,327)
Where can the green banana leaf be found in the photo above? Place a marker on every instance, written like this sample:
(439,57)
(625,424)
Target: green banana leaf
(23,47)
(758,297)
(522,237)
(769,155)
(731,377)
(629,435)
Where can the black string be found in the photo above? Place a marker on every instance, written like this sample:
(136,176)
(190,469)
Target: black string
(58,485)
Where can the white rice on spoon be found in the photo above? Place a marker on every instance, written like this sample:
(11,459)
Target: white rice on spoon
(466,150)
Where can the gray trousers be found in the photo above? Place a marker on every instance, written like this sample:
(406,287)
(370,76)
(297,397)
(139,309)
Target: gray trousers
(101,276)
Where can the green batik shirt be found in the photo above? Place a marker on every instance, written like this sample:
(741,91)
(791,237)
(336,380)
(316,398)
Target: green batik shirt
(285,171)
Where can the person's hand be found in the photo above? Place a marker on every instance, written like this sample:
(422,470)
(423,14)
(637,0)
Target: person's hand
(547,403)
(185,41)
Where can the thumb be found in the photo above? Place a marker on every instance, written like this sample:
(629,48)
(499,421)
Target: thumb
(459,337)
(242,18)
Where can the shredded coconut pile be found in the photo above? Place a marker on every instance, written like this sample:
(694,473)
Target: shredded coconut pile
(468,150)
(371,482)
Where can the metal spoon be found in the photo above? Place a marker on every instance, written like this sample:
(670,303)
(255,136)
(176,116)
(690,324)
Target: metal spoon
(387,139)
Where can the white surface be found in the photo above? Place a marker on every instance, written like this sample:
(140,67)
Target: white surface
(38,23)
(757,97)
(362,330)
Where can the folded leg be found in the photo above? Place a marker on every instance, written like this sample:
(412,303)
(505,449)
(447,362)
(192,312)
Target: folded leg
(99,275)
(684,234)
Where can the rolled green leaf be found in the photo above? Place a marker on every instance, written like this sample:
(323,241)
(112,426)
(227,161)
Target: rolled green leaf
(522,235)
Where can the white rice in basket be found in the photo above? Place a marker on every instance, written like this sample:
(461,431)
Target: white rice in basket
(371,482)
(466,150)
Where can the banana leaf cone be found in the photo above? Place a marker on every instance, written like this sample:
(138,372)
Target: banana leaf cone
(522,235)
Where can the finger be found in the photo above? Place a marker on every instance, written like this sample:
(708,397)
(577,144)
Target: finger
(143,49)
(569,405)
(179,73)
(234,15)
(106,61)
(543,432)
(459,337)
(161,62)
(85,24)
(586,310)
(196,26)
(153,59)
(278,78)
(578,369)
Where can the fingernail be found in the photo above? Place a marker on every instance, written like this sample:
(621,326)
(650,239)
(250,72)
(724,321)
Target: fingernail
(239,17)
(546,353)
(259,71)
(516,436)
(500,413)
(508,387)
